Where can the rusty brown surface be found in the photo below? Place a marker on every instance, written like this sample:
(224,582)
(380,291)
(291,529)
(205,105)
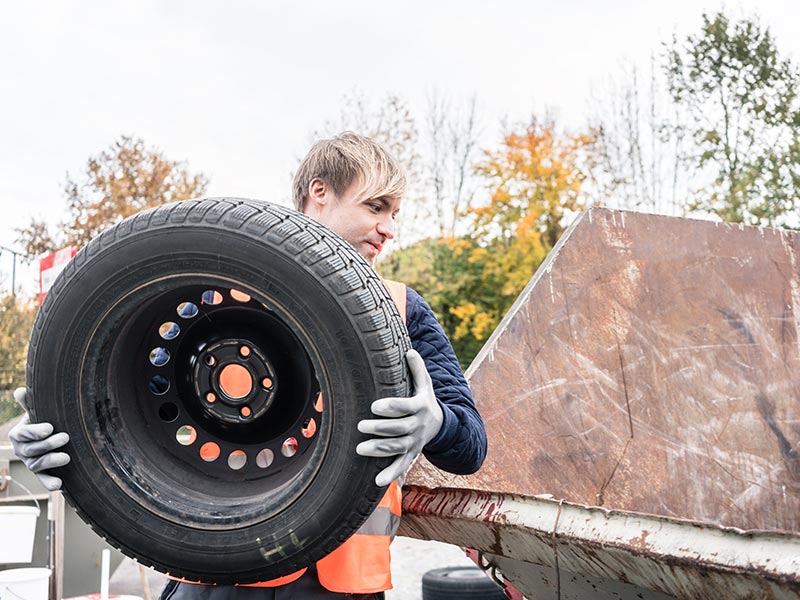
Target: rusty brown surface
(555,549)
(652,365)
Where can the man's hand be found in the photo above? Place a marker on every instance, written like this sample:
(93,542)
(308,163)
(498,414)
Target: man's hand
(35,443)
(409,423)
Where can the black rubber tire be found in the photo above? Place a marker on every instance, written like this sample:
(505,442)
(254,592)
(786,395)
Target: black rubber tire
(459,583)
(145,493)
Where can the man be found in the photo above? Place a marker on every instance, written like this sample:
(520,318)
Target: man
(354,187)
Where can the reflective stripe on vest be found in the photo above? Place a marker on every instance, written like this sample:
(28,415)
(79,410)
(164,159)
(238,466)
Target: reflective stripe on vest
(362,565)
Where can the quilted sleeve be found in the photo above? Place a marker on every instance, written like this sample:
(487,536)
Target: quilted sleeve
(460,445)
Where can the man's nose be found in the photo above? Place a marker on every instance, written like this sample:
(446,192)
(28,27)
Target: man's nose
(386,229)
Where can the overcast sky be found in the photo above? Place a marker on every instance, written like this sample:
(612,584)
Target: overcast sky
(237,88)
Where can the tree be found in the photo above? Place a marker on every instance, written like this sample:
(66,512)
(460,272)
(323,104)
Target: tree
(118,182)
(535,179)
(16,322)
(441,269)
(451,135)
(535,182)
(742,99)
(641,147)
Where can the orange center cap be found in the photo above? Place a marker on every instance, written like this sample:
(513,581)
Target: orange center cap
(235,381)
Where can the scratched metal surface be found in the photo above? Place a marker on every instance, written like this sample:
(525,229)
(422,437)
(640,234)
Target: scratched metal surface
(652,365)
(555,550)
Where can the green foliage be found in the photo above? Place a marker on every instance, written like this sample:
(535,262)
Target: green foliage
(8,406)
(440,269)
(742,98)
(16,322)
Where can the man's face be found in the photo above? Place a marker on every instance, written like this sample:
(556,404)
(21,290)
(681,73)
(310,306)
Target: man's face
(367,223)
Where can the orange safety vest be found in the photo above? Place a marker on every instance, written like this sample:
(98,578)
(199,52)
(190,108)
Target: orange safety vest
(362,564)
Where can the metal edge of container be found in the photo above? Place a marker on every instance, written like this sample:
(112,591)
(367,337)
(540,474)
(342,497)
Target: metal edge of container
(682,559)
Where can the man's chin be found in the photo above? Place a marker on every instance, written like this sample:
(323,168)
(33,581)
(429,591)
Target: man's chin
(369,252)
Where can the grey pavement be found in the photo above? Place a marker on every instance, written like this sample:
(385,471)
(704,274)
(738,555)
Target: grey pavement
(411,559)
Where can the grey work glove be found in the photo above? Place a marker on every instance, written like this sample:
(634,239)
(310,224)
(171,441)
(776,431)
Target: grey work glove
(408,423)
(34,444)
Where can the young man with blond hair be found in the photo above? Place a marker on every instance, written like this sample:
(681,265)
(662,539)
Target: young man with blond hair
(355,187)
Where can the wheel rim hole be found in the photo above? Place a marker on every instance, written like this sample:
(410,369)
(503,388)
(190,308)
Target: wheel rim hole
(209,360)
(266,383)
(309,428)
(244,351)
(211,397)
(186,435)
(240,296)
(159,385)
(235,381)
(187,310)
(209,451)
(159,357)
(168,412)
(237,460)
(289,447)
(212,297)
(245,411)
(169,330)
(318,403)
(264,458)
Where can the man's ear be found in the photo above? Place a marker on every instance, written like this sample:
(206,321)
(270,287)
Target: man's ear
(317,194)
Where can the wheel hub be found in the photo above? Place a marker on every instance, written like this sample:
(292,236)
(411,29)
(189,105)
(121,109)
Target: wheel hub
(233,380)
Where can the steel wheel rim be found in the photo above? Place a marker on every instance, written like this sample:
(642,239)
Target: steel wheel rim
(262,461)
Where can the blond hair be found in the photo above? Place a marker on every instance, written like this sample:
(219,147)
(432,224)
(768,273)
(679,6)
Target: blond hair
(344,159)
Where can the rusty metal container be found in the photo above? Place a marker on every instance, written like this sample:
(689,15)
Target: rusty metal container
(642,401)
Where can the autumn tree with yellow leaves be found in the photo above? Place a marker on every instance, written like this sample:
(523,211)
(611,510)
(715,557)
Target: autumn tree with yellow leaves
(120,181)
(534,182)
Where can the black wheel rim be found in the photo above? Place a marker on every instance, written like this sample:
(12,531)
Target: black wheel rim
(166,416)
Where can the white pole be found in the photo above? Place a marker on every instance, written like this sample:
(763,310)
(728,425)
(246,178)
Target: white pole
(104,568)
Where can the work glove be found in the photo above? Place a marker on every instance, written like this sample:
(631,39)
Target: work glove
(408,423)
(34,444)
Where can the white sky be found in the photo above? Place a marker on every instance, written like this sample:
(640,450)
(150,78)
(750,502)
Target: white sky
(237,88)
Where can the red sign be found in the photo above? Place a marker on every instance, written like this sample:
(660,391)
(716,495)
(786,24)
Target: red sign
(50,266)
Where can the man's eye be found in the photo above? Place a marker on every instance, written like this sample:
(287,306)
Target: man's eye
(375,207)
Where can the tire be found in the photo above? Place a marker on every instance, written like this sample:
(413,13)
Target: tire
(129,355)
(459,583)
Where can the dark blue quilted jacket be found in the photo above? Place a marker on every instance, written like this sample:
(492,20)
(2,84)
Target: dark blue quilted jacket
(460,446)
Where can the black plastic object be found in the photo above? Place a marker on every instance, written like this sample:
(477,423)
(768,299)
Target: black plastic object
(459,583)
(210,360)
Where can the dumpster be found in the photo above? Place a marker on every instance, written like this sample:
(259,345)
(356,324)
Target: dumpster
(642,404)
